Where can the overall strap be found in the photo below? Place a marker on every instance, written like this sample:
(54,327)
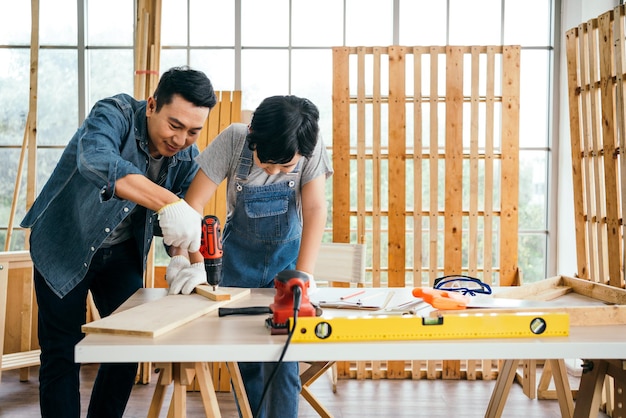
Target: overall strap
(245,162)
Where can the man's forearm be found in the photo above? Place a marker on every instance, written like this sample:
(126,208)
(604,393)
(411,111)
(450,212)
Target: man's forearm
(141,190)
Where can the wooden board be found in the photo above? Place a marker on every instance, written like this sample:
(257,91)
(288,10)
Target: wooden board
(591,303)
(162,315)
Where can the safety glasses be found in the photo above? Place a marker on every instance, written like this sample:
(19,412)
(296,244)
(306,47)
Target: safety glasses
(463,284)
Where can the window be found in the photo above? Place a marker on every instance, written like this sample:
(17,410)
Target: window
(263,47)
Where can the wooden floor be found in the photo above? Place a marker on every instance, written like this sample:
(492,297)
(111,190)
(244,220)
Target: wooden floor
(354,398)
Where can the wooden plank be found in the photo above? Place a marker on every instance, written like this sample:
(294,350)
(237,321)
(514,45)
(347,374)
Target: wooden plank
(341,145)
(433,163)
(593,156)
(160,316)
(454,162)
(376,169)
(619,40)
(361,135)
(418,150)
(607,94)
(397,167)
(488,219)
(472,242)
(433,167)
(510,165)
(573,90)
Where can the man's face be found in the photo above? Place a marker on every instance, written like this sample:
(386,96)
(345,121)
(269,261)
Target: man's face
(175,127)
(271,168)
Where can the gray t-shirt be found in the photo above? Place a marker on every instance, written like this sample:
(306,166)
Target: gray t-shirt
(220,159)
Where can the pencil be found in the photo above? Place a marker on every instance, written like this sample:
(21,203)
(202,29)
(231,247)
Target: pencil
(351,295)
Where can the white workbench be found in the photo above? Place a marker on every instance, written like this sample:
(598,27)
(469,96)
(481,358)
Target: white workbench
(245,338)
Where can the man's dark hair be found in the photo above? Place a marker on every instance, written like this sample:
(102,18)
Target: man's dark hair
(281,127)
(193,85)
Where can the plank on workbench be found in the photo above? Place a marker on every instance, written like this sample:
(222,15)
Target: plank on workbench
(162,315)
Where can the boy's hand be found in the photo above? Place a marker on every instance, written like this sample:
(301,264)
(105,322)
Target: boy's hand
(177,263)
(187,279)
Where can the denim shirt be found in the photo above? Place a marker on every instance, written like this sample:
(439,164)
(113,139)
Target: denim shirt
(77,208)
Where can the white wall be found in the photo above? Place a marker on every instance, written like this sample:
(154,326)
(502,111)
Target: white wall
(573,12)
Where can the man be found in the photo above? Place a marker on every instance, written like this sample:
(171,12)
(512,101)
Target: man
(276,170)
(92,225)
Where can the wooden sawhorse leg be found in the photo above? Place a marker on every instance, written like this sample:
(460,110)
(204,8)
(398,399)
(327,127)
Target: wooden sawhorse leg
(505,380)
(182,375)
(591,383)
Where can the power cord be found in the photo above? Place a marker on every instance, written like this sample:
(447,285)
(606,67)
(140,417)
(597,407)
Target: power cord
(297,300)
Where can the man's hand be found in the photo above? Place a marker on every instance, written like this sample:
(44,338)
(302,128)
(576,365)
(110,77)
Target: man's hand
(187,279)
(181,225)
(177,263)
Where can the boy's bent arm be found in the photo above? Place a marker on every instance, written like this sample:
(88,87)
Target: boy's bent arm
(313,223)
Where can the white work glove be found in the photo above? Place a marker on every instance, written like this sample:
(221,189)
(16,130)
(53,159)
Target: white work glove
(177,263)
(181,225)
(187,279)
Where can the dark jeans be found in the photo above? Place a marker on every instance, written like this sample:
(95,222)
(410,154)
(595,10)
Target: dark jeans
(114,275)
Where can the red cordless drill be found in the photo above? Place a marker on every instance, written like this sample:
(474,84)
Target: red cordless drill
(211,249)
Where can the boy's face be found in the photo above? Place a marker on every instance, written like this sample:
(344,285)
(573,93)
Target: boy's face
(175,127)
(272,169)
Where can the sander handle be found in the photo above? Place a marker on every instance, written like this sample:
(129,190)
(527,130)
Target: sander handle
(250,310)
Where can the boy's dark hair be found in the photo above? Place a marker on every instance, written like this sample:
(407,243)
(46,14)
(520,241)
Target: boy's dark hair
(281,127)
(193,85)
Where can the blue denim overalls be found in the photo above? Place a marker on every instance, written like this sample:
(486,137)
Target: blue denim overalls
(262,238)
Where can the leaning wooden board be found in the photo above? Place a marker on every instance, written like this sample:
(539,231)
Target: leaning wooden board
(157,317)
(587,303)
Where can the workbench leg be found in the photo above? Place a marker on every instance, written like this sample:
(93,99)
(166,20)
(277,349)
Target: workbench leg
(178,406)
(240,390)
(590,391)
(207,391)
(310,375)
(563,391)
(502,388)
(163,381)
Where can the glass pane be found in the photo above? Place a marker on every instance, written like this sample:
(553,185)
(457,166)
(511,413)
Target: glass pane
(534,98)
(422,22)
(57,110)
(110,22)
(519,15)
(315,83)
(218,65)
(10,160)
(532,256)
(57,22)
(264,22)
(309,16)
(174,23)
(172,58)
(369,22)
(472,25)
(15,25)
(264,73)
(107,80)
(533,190)
(212,22)
(14,91)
